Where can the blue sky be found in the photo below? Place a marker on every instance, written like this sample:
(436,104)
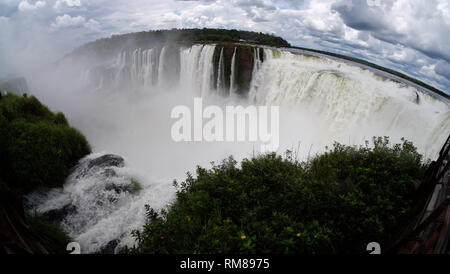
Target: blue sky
(412,36)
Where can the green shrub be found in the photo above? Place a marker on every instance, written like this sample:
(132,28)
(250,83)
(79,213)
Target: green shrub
(134,187)
(38,147)
(28,108)
(335,203)
(60,119)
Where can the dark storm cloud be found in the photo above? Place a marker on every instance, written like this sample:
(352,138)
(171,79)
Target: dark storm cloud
(443,68)
(358,15)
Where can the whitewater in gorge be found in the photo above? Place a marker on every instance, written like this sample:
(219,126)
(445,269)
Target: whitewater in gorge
(124,109)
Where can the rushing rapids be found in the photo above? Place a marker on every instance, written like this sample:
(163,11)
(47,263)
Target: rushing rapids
(322,100)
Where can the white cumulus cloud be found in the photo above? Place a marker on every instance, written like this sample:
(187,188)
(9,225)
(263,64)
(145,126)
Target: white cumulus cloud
(25,6)
(69,3)
(66,20)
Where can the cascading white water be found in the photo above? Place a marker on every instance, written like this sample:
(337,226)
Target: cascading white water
(196,68)
(135,66)
(121,65)
(321,101)
(96,200)
(189,65)
(147,70)
(206,69)
(141,67)
(232,75)
(136,69)
(256,62)
(220,72)
(162,67)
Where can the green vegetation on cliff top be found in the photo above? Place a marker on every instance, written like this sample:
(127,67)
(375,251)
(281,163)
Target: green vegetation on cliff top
(146,39)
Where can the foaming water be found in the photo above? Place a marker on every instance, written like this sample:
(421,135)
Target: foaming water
(126,109)
(101,204)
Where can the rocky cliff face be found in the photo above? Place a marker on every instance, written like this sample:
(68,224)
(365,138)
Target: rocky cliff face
(243,66)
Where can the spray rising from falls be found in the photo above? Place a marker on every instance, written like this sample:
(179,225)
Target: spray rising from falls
(321,101)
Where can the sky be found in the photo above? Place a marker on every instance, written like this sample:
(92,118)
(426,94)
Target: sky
(411,36)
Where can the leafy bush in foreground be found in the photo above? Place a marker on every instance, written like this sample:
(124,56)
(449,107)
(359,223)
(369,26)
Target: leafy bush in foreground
(52,234)
(335,203)
(37,147)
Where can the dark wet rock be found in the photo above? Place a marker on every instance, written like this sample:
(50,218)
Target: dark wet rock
(109,172)
(133,187)
(116,188)
(59,214)
(110,247)
(243,66)
(108,160)
(245,63)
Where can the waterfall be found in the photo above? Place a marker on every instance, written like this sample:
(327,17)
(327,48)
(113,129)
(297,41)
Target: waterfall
(197,68)
(147,71)
(232,75)
(206,67)
(120,64)
(136,66)
(257,62)
(189,61)
(161,67)
(220,72)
